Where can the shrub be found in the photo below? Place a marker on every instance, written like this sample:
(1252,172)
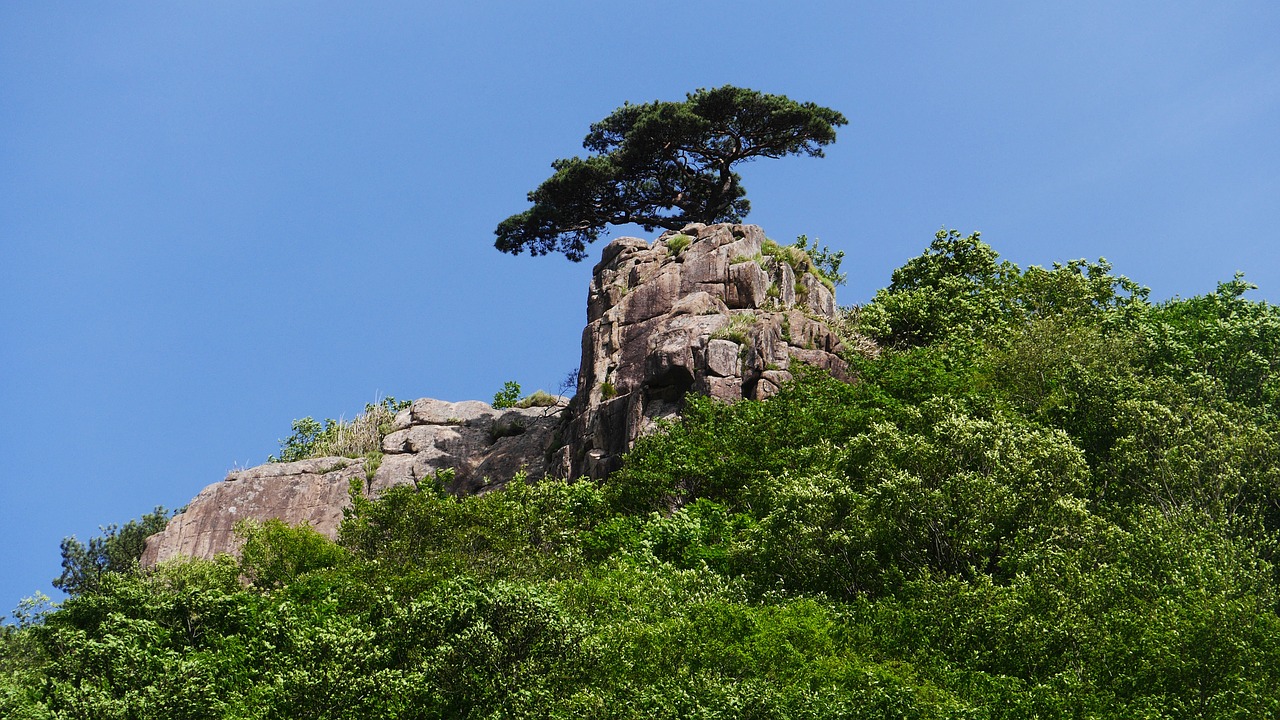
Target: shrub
(507,396)
(738,329)
(275,554)
(359,437)
(808,259)
(118,550)
(677,243)
(824,263)
(539,398)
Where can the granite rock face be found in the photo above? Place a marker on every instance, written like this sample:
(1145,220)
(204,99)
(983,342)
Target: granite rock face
(711,309)
(481,447)
(469,447)
(310,491)
(706,310)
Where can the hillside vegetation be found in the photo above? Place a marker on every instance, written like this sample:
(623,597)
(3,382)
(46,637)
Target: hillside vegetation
(1045,497)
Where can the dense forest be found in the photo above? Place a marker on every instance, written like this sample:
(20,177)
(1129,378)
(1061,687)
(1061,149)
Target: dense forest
(1045,496)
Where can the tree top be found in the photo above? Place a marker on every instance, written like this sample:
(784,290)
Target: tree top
(665,164)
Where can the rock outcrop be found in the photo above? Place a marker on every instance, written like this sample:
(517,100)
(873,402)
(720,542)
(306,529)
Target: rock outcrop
(469,447)
(712,309)
(310,491)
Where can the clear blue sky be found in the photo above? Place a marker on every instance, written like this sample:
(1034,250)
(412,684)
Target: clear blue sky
(219,217)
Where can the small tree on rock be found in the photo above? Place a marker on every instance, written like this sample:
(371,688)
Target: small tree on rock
(665,164)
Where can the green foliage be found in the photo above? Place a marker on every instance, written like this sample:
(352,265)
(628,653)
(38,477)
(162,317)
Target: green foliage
(738,329)
(524,528)
(1225,339)
(539,398)
(1045,497)
(507,396)
(677,243)
(825,264)
(360,436)
(117,550)
(308,435)
(789,254)
(274,554)
(950,289)
(958,290)
(665,164)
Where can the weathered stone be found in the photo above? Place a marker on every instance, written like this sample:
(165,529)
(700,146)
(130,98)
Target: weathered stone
(561,463)
(699,303)
(653,298)
(311,492)
(598,303)
(818,359)
(527,452)
(728,389)
(805,332)
(610,254)
(403,420)
(748,286)
(471,443)
(769,383)
(671,352)
(678,328)
(722,358)
(784,284)
(818,298)
(701,268)
(768,346)
(397,470)
(747,241)
(439,440)
(440,412)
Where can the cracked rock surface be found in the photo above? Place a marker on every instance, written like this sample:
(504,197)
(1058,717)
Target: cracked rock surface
(704,309)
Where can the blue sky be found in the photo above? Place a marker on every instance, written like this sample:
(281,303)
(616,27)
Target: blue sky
(219,217)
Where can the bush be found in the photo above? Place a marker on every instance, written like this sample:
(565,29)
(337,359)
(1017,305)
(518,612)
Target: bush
(117,550)
(275,554)
(539,399)
(507,396)
(357,438)
(677,243)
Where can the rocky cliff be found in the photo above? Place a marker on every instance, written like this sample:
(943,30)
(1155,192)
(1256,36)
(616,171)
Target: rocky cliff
(466,446)
(712,309)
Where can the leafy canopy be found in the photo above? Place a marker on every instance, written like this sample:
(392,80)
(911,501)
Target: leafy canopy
(117,550)
(665,164)
(1044,497)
